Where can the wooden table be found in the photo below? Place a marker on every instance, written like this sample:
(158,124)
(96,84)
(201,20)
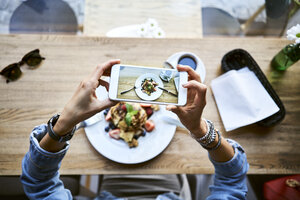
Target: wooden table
(42,92)
(179,19)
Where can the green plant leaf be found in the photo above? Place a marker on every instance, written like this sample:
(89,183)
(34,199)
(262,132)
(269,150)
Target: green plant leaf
(128,119)
(134,112)
(129,107)
(130,113)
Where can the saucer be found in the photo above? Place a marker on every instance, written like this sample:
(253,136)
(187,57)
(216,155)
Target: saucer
(174,59)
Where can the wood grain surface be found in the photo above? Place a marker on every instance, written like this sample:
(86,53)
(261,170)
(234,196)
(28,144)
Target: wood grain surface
(178,18)
(42,92)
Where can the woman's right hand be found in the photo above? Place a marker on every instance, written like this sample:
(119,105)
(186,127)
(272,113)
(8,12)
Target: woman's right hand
(84,102)
(190,114)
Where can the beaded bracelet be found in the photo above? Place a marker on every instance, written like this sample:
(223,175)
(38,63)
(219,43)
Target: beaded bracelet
(209,137)
(203,138)
(216,146)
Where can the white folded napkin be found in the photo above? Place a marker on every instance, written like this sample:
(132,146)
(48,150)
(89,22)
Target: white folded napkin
(241,98)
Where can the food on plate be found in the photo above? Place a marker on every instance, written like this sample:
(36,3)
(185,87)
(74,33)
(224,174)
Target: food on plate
(148,86)
(129,121)
(149,125)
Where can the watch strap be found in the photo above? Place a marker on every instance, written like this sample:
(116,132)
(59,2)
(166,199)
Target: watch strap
(55,136)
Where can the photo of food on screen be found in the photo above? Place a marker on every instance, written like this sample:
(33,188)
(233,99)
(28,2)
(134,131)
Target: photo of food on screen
(160,85)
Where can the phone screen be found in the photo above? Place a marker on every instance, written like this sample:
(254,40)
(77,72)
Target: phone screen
(148,84)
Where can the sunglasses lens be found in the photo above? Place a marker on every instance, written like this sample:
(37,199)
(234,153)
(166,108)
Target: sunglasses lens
(11,72)
(33,58)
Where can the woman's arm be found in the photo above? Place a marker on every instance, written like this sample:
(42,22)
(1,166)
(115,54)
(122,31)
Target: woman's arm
(40,165)
(82,105)
(228,158)
(191,115)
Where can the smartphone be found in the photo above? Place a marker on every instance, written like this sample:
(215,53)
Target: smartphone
(147,85)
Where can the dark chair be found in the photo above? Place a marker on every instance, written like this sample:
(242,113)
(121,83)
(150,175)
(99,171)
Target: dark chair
(12,189)
(43,16)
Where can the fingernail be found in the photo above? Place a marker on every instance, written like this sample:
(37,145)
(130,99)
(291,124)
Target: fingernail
(168,108)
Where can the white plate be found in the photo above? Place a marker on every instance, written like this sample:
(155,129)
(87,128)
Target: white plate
(152,96)
(124,31)
(149,147)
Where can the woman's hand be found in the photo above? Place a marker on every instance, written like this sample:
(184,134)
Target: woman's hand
(84,102)
(190,114)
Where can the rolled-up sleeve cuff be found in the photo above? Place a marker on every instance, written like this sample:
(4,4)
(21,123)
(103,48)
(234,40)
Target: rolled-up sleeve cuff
(238,164)
(39,161)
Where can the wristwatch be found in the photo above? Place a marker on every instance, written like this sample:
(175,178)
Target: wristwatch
(55,136)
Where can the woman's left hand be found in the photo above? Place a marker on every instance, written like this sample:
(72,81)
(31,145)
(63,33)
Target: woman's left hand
(84,102)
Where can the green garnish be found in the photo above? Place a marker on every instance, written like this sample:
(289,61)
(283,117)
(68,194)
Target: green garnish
(130,113)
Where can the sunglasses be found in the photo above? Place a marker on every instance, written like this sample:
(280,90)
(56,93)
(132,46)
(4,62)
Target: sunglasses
(13,71)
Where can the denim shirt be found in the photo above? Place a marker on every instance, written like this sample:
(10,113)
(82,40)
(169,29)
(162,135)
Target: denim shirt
(40,176)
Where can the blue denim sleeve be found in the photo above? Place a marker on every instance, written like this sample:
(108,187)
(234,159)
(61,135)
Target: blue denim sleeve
(230,176)
(40,176)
